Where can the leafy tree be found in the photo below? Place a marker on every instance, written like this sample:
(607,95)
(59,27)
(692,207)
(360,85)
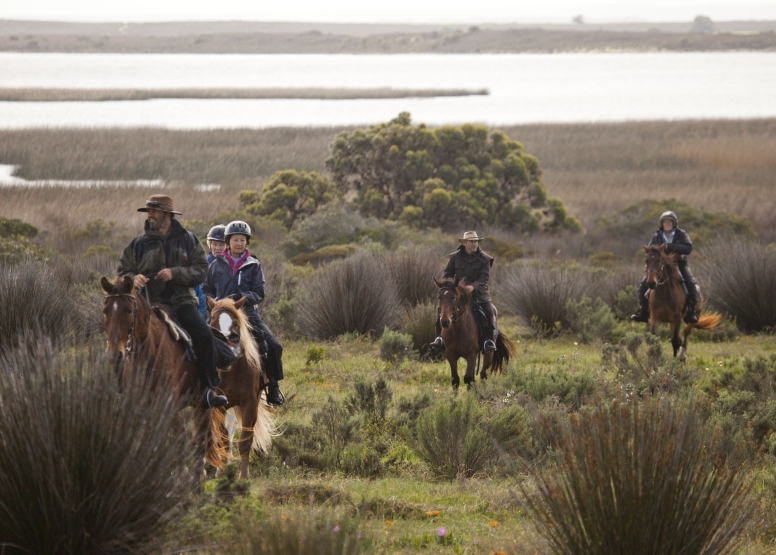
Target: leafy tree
(445,177)
(290,196)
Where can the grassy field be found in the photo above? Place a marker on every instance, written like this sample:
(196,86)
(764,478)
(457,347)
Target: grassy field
(471,40)
(595,168)
(97,95)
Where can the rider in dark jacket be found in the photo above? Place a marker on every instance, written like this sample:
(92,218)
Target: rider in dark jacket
(472,266)
(235,274)
(169,262)
(676,241)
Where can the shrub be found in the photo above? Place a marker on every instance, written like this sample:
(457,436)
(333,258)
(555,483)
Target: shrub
(592,320)
(540,295)
(324,255)
(625,302)
(371,400)
(84,468)
(315,354)
(334,224)
(742,283)
(452,439)
(352,295)
(395,346)
(640,477)
(418,322)
(555,381)
(33,299)
(15,248)
(413,271)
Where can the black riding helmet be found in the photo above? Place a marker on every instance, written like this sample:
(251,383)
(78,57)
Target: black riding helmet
(216,233)
(237,227)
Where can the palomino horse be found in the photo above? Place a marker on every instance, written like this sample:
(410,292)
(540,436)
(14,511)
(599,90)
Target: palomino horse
(461,336)
(241,382)
(667,299)
(138,340)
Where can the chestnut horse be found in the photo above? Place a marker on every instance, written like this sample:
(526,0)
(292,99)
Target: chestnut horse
(138,340)
(667,299)
(242,382)
(461,335)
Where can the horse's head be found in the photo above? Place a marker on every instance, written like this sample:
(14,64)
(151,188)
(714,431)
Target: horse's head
(119,312)
(226,317)
(453,300)
(655,262)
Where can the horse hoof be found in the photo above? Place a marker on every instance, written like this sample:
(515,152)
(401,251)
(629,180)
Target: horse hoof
(682,354)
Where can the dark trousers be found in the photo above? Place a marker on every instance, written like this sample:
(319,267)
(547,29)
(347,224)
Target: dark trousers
(488,326)
(689,282)
(204,345)
(273,348)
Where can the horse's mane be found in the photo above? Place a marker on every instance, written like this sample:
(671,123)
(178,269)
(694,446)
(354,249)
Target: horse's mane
(247,342)
(669,259)
(450,283)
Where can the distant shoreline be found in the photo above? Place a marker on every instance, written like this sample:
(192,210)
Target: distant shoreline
(102,95)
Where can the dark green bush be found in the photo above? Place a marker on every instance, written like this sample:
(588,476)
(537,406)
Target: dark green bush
(352,295)
(395,346)
(592,320)
(741,282)
(84,468)
(570,387)
(13,227)
(540,295)
(369,399)
(640,477)
(334,224)
(452,438)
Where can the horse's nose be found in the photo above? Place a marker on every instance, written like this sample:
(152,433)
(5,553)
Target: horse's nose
(445,323)
(651,284)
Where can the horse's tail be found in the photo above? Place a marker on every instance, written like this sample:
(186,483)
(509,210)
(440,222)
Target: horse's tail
(264,429)
(504,350)
(708,321)
(210,424)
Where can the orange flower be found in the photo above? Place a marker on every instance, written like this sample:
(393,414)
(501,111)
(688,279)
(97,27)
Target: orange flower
(436,513)
(389,523)
(493,523)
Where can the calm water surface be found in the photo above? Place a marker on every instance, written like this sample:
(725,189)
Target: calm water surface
(525,88)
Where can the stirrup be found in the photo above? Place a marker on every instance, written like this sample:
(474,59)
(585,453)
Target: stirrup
(275,401)
(215,398)
(489,346)
(438,342)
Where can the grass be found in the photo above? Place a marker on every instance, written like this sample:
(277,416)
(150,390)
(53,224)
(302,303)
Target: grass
(99,95)
(595,168)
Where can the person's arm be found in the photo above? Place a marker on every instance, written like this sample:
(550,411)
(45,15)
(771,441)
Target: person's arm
(482,280)
(681,245)
(450,268)
(128,264)
(256,294)
(193,273)
(654,240)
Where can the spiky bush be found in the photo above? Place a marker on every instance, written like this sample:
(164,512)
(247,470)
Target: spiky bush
(418,322)
(540,295)
(640,477)
(741,281)
(84,468)
(353,295)
(413,271)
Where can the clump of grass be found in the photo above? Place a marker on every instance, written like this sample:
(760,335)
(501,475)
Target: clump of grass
(413,271)
(540,295)
(742,283)
(84,468)
(352,295)
(640,477)
(418,322)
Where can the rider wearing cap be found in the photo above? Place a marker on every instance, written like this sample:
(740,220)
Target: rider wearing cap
(676,241)
(169,262)
(236,274)
(472,266)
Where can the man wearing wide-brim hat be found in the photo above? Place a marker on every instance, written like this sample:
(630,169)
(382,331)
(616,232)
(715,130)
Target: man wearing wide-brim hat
(472,266)
(169,262)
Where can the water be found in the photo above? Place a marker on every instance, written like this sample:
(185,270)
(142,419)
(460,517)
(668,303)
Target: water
(525,88)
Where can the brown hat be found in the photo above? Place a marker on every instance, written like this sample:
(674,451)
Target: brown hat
(159,202)
(469,236)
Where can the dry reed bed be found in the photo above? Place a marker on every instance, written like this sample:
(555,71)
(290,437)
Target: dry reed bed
(725,165)
(99,95)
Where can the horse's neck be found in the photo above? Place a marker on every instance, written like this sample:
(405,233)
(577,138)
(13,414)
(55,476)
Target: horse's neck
(144,322)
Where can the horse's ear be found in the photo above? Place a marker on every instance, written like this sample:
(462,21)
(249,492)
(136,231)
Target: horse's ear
(646,248)
(457,280)
(106,285)
(238,304)
(437,282)
(210,302)
(128,284)
(662,248)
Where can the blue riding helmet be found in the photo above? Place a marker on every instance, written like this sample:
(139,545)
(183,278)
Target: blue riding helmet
(216,233)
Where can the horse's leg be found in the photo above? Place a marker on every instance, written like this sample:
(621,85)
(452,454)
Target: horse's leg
(487,362)
(248,412)
(453,361)
(683,349)
(675,341)
(471,361)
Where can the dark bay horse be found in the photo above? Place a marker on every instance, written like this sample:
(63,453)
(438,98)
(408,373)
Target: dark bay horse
(241,382)
(139,341)
(461,335)
(667,299)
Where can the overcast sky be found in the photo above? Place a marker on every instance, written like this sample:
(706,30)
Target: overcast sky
(385,11)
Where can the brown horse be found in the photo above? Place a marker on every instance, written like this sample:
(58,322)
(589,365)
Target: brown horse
(461,336)
(667,299)
(242,382)
(138,340)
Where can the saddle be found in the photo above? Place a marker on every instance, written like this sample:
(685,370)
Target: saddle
(175,330)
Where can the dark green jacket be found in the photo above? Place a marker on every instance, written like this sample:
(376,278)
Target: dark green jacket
(180,251)
(475,268)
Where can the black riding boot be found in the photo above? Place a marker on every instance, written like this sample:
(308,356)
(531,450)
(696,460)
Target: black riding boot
(642,314)
(204,348)
(438,342)
(690,316)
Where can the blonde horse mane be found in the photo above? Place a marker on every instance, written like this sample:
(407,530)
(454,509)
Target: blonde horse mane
(247,342)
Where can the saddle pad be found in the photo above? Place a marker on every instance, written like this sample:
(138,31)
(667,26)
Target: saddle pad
(177,333)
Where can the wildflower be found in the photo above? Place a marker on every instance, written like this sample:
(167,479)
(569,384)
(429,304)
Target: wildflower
(476,542)
(335,529)
(441,532)
(436,513)
(575,343)
(284,517)
(389,523)
(493,523)
(429,513)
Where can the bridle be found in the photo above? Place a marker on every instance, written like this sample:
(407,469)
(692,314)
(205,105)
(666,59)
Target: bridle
(457,310)
(662,273)
(128,345)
